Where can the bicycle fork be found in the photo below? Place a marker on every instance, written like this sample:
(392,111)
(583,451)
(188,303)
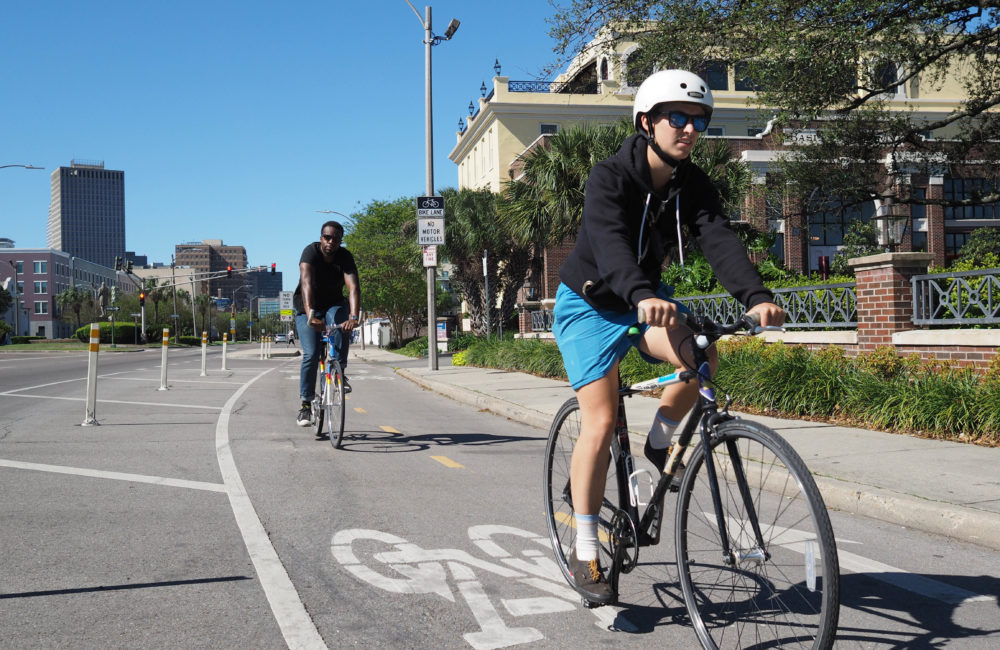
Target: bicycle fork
(757,554)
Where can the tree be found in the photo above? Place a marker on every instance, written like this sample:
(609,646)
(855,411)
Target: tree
(6,296)
(472,229)
(833,65)
(982,249)
(383,241)
(203,304)
(861,239)
(73,299)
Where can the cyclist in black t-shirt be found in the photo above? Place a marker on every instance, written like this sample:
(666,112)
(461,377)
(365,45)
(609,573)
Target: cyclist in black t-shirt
(325,268)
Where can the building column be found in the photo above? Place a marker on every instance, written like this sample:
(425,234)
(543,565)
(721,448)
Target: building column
(885,295)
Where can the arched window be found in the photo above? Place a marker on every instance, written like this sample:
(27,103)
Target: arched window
(634,69)
(604,68)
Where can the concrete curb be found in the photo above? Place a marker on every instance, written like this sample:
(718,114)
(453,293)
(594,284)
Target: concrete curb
(950,520)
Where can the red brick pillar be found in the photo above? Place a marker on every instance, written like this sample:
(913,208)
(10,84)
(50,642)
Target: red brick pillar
(885,295)
(523,320)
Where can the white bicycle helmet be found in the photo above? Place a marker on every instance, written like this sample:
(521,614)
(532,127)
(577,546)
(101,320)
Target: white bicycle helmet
(671,86)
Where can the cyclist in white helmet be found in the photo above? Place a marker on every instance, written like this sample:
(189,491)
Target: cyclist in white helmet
(636,207)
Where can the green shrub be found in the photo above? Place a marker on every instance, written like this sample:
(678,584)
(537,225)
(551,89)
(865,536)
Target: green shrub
(123,333)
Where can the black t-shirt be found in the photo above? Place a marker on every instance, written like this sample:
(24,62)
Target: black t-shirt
(328,277)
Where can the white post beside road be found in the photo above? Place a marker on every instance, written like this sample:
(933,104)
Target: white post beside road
(262,346)
(267,346)
(225,341)
(90,418)
(204,354)
(163,359)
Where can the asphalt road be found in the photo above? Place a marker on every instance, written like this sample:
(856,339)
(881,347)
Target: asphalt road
(200,516)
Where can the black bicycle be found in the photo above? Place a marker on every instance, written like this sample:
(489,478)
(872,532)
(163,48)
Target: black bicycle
(328,403)
(756,554)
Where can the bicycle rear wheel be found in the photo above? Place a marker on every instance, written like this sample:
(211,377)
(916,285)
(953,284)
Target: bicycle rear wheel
(786,593)
(335,403)
(563,434)
(319,395)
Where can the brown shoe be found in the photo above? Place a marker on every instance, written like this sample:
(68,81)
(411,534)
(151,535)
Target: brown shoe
(589,580)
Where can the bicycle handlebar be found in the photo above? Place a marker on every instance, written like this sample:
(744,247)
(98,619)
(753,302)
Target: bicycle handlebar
(703,325)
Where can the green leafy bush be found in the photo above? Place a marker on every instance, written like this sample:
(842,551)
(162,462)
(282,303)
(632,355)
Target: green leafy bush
(123,333)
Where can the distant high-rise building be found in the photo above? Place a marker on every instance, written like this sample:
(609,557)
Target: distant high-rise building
(87,212)
(209,259)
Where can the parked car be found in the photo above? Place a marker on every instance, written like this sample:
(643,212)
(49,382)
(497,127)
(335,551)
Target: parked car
(281,338)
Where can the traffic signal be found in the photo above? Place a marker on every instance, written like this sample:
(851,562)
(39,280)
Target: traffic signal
(128,266)
(142,298)
(229,271)
(118,262)
(272,267)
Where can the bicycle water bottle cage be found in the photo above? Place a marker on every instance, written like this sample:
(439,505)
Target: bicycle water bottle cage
(633,483)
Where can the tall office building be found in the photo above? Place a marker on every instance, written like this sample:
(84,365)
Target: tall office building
(209,259)
(87,212)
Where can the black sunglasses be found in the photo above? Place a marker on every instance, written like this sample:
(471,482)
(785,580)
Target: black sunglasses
(334,238)
(679,120)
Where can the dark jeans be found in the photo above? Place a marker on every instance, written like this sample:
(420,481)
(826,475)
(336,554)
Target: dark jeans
(311,339)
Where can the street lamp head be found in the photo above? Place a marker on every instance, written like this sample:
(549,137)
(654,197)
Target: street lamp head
(482,89)
(496,66)
(472,109)
(452,28)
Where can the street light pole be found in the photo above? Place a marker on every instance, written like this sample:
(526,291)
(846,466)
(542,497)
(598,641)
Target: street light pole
(431,40)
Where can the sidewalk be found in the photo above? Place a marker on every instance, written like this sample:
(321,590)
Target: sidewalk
(940,487)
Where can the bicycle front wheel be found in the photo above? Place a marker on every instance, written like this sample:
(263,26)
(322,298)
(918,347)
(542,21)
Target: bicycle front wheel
(784,592)
(335,403)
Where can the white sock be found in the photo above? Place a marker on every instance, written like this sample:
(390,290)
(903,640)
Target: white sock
(586,537)
(661,432)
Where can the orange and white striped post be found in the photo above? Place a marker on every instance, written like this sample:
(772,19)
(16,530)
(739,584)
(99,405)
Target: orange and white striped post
(204,354)
(90,418)
(225,341)
(163,359)
(267,349)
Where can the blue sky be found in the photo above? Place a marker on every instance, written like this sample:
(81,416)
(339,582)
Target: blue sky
(237,120)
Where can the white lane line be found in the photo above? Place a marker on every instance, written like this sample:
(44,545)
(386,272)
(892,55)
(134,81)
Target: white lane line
(119,401)
(794,539)
(289,612)
(117,476)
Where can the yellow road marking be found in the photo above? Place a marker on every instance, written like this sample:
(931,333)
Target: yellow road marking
(358,409)
(570,520)
(447,462)
(389,429)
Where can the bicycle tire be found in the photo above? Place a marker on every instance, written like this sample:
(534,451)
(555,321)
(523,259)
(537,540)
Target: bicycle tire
(317,401)
(563,434)
(790,597)
(335,403)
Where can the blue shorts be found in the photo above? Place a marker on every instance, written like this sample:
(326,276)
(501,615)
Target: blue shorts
(593,340)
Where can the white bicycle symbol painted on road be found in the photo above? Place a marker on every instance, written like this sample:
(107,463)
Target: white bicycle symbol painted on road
(426,571)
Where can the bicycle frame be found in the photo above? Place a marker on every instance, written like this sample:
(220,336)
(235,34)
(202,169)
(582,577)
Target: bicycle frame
(704,418)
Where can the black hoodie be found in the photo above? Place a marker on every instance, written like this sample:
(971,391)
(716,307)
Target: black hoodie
(607,268)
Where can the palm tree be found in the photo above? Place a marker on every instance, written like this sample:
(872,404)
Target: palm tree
(544,206)
(472,228)
(202,304)
(73,299)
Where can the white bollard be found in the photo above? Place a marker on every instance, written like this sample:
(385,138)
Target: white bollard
(225,341)
(163,359)
(204,354)
(90,418)
(261,347)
